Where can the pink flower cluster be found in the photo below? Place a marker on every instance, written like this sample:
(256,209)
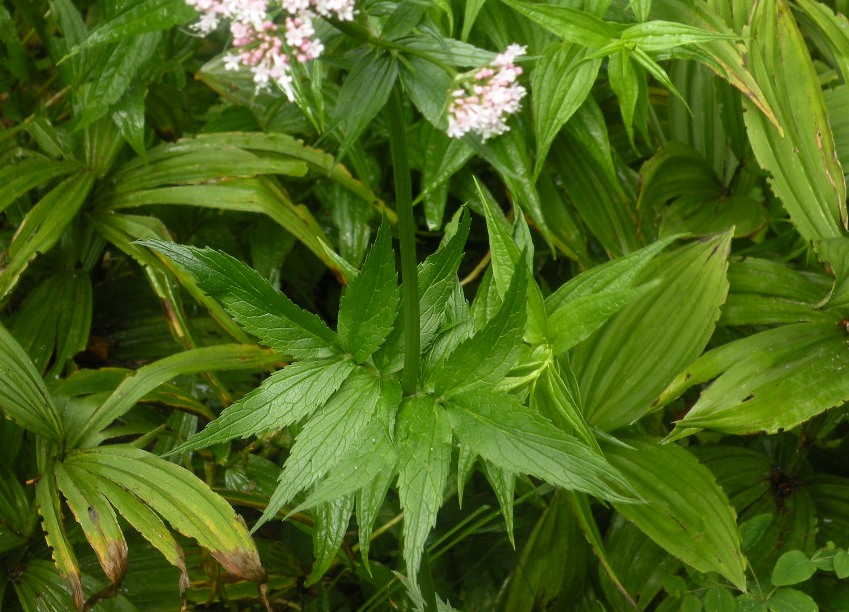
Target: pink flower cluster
(260,44)
(485,98)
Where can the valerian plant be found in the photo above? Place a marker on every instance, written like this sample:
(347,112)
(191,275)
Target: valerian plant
(638,368)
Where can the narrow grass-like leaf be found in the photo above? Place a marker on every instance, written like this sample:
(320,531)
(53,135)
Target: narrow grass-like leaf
(147,378)
(286,397)
(181,499)
(503,431)
(97,519)
(686,512)
(23,395)
(424,451)
(368,308)
(657,35)
(18,178)
(336,428)
(50,509)
(252,302)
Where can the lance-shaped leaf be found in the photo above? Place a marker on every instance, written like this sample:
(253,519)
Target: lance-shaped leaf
(18,178)
(259,308)
(97,519)
(489,354)
(50,509)
(369,306)
(85,429)
(23,395)
(806,174)
(424,450)
(139,17)
(786,376)
(503,431)
(336,428)
(331,523)
(570,24)
(503,483)
(625,365)
(685,512)
(286,397)
(181,498)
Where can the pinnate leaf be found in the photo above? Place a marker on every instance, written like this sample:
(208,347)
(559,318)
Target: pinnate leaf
(368,308)
(252,302)
(284,398)
(503,431)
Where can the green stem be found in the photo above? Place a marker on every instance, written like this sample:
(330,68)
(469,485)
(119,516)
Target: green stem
(407,238)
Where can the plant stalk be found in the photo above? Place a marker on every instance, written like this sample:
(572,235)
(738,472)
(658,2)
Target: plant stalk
(407,239)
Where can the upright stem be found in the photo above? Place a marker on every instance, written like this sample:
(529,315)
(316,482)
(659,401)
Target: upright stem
(407,237)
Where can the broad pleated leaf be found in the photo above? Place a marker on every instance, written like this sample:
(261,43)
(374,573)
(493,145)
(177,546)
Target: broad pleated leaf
(252,302)
(806,175)
(17,179)
(625,365)
(785,377)
(336,428)
(685,511)
(424,450)
(368,308)
(181,498)
(23,395)
(286,397)
(503,431)
(147,378)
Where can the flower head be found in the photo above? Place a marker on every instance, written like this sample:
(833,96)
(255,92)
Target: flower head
(260,44)
(485,98)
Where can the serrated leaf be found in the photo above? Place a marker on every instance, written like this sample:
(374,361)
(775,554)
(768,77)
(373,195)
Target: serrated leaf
(97,519)
(337,427)
(503,431)
(369,502)
(424,451)
(331,523)
(503,483)
(49,506)
(180,498)
(252,302)
(85,429)
(623,366)
(23,395)
(492,351)
(284,398)
(368,308)
(792,567)
(686,512)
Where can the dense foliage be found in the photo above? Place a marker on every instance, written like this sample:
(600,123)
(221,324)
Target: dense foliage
(610,374)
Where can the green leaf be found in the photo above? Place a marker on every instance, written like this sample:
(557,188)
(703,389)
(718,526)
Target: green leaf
(841,564)
(97,519)
(503,431)
(50,509)
(554,399)
(623,367)
(370,500)
(424,451)
(663,35)
(180,498)
(806,174)
(284,398)
(792,567)
(43,226)
(368,308)
(561,81)
(331,523)
(139,17)
(86,429)
(628,82)
(41,587)
(252,302)
(686,512)
(336,428)
(572,25)
(770,381)
(18,178)
(485,357)
(364,93)
(128,115)
(791,600)
(23,395)
(503,483)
